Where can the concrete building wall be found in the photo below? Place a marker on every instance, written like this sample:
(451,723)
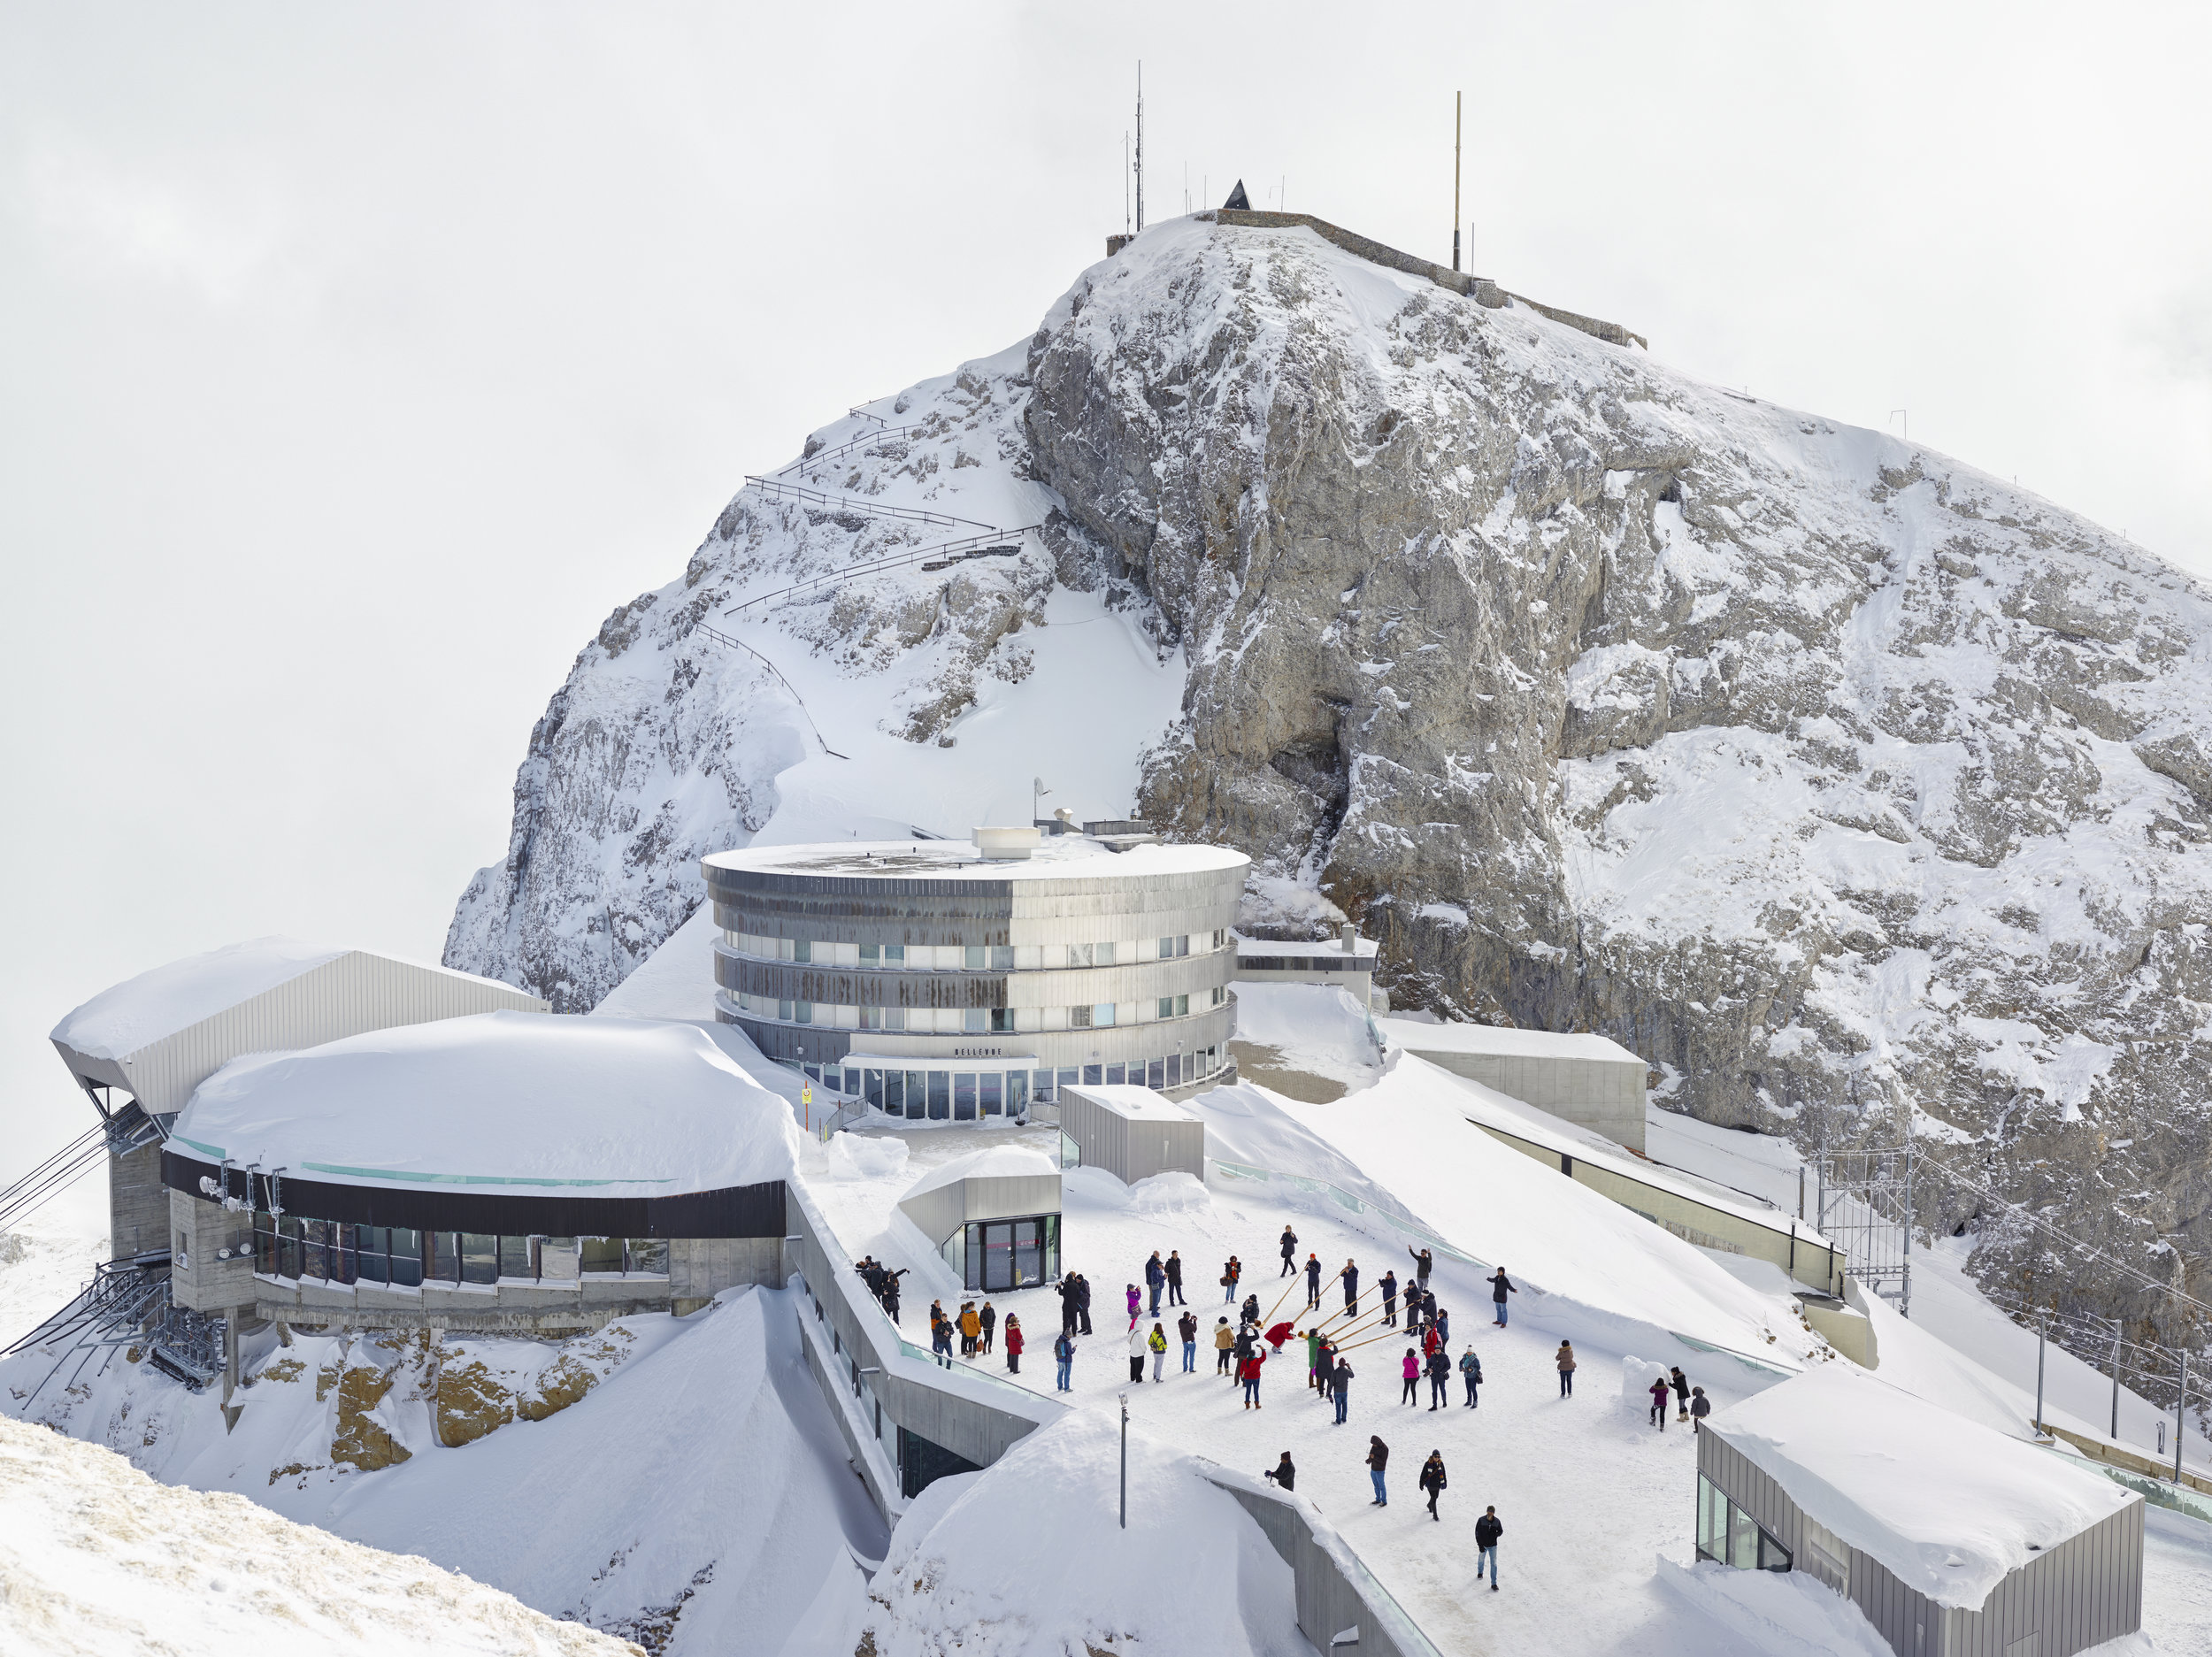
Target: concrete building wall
(199,1234)
(700,1267)
(1603,1095)
(2084,1591)
(138,1203)
(1334,1594)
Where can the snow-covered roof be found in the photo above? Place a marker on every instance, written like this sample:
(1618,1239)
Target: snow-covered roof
(998,1162)
(1057,857)
(126,1016)
(497,1101)
(675,981)
(1948,1505)
(1415,1036)
(1362,947)
(1138,1104)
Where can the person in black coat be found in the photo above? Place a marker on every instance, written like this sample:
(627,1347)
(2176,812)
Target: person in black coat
(1488,1530)
(1439,1368)
(1378,1458)
(1340,1387)
(1499,1289)
(891,1292)
(1681,1384)
(1421,1264)
(1283,1473)
(1313,1279)
(1388,1285)
(1083,1301)
(1071,1300)
(1433,1479)
(1350,1276)
(1290,1250)
(1175,1278)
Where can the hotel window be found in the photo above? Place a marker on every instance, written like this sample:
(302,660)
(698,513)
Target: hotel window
(975,955)
(647,1255)
(871,955)
(601,1254)
(783,1011)
(872,1018)
(1221,937)
(406,1257)
(1101,1015)
(517,1258)
(1102,954)
(1001,957)
(1174,1006)
(802,1012)
(1172,946)
(802,949)
(1218,993)
(975,1020)
(1002,1021)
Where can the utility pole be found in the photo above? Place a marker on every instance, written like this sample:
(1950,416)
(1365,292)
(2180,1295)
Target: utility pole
(2116,1380)
(1140,147)
(1456,98)
(2042,1333)
(1904,1301)
(1124,184)
(2181,1400)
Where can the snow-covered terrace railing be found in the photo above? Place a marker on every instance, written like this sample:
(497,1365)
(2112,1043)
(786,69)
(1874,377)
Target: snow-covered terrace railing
(973,1413)
(777,491)
(1338,1596)
(821,457)
(1344,1199)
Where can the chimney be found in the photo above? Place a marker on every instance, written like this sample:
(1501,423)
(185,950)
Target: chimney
(1351,940)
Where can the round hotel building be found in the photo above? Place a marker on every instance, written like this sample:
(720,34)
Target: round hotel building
(956,980)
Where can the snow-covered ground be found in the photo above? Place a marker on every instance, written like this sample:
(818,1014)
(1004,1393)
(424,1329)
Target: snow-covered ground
(44,1264)
(97,1560)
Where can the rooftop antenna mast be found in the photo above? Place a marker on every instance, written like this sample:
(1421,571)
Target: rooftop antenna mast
(1455,102)
(1139,147)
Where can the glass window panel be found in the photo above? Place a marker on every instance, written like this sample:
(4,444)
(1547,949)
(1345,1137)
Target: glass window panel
(1182,1005)
(990,1094)
(265,1244)
(1103,955)
(802,949)
(871,955)
(1167,948)
(872,1018)
(895,1093)
(1093,1075)
(1040,1085)
(515,1258)
(480,1257)
(939,1096)
(1182,943)
(601,1253)
(916,1094)
(1050,1269)
(1116,1075)
(370,1264)
(1167,1007)
(872,1088)
(406,1256)
(1103,1015)
(1068,1077)
(1743,1539)
(1079,1018)
(852,1082)
(1001,957)
(649,1256)
(1028,1252)
(1772,1554)
(998,1257)
(802,1012)
(1071,1152)
(1017,1091)
(894,954)
(894,1019)
(974,957)
(1175,1077)
(1003,1020)
(289,1247)
(975,1019)
(1155,1073)
(783,1011)
(1710,1527)
(964,1096)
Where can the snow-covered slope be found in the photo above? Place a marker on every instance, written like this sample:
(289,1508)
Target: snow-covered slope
(1822,770)
(97,1560)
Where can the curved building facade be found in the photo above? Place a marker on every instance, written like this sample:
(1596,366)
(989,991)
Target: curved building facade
(934,981)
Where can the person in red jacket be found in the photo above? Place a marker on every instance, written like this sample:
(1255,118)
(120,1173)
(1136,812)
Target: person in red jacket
(1013,1344)
(1281,1333)
(1249,1372)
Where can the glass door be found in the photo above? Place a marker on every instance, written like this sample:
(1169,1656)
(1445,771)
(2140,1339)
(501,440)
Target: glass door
(998,1257)
(1028,1252)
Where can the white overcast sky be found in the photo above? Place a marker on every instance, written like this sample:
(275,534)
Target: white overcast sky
(355,361)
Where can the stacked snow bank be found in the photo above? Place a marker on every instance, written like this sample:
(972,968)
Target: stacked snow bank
(96,1558)
(500,1102)
(1028,1557)
(1780,1614)
(1950,1507)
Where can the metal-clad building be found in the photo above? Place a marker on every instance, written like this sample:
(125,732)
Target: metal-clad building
(993,1216)
(2080,1587)
(155,1038)
(1587,1080)
(1132,1132)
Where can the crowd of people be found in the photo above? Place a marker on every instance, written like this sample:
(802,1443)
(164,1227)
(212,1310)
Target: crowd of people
(1243,1347)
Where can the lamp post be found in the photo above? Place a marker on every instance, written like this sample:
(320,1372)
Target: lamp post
(1124,1460)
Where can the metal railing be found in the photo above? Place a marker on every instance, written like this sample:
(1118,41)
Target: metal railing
(775,491)
(822,455)
(721,638)
(995,544)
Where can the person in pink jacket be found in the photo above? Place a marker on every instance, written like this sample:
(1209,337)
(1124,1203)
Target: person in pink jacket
(1412,1371)
(1135,1301)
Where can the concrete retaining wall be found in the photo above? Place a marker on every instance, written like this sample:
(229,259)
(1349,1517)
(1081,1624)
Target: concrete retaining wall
(1336,1593)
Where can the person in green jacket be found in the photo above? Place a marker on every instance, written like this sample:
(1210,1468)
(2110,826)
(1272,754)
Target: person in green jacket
(1156,1344)
(1313,1358)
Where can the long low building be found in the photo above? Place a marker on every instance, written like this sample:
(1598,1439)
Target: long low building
(1589,1080)
(1952,1539)
(504,1172)
(951,980)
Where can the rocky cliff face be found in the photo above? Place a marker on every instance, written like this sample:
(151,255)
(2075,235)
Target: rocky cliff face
(1837,780)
